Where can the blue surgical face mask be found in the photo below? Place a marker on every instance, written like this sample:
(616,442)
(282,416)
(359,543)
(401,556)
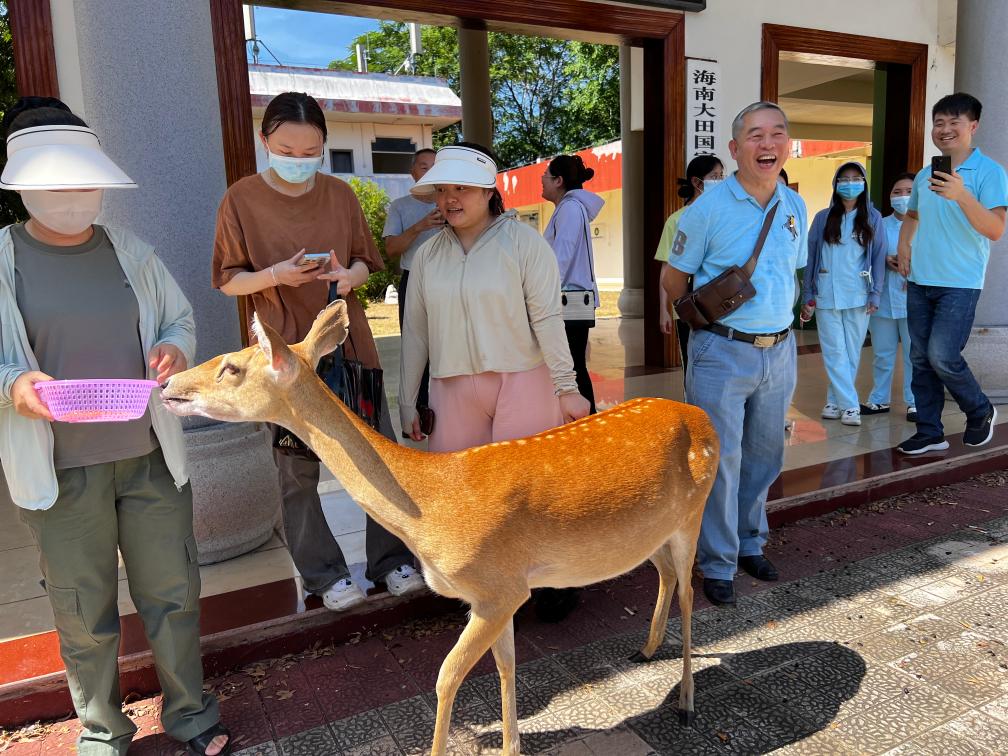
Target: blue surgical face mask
(900,204)
(294,170)
(850,190)
(710,183)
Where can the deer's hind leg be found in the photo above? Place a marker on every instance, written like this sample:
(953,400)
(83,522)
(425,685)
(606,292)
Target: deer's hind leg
(504,655)
(682,549)
(663,561)
(486,624)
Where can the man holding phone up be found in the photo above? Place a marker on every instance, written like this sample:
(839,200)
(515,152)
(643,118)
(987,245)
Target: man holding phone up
(957,208)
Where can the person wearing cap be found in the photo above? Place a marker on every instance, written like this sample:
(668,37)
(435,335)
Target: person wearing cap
(84,301)
(484,307)
(265,225)
(743,367)
(843,285)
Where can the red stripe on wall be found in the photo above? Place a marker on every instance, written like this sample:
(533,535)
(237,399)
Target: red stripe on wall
(523,186)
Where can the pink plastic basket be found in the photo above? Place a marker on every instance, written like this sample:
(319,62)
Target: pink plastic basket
(96,401)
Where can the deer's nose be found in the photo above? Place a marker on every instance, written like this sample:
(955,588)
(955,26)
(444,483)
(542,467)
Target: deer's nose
(165,385)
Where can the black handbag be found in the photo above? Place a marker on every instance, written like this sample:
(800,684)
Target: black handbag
(361,389)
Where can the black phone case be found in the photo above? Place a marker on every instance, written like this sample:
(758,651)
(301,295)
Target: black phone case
(941,163)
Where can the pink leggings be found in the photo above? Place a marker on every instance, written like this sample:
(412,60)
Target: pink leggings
(472,410)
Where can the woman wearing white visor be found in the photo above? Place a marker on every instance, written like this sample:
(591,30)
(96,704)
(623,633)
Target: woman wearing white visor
(82,301)
(484,306)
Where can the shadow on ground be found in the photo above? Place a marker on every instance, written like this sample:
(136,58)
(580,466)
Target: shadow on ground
(749,702)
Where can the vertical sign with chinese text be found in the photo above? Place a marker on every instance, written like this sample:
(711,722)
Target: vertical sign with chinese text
(703,107)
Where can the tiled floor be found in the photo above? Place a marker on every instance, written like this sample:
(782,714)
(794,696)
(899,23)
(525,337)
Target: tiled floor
(616,353)
(889,635)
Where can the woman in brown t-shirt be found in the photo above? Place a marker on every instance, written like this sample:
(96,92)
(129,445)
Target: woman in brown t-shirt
(265,225)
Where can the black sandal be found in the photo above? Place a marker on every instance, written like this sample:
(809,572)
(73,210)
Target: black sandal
(198,746)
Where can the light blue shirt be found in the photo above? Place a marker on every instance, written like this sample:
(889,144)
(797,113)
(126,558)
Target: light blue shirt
(947,250)
(720,229)
(893,303)
(841,284)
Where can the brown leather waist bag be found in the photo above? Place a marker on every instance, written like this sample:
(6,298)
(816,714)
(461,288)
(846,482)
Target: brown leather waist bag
(723,295)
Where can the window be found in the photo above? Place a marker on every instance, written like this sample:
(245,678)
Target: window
(341,161)
(392,155)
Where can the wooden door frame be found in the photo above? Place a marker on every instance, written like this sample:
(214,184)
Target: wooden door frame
(34,50)
(818,42)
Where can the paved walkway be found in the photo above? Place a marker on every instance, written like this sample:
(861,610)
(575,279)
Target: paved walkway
(889,636)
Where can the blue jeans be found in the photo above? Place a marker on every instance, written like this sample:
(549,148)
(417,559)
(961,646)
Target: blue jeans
(841,337)
(887,335)
(746,391)
(940,320)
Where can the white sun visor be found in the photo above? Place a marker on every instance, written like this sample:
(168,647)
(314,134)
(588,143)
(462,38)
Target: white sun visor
(60,157)
(459,166)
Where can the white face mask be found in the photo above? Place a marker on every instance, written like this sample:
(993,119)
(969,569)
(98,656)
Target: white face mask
(67,213)
(710,183)
(294,170)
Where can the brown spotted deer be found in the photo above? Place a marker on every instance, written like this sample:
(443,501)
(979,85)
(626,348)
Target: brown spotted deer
(575,505)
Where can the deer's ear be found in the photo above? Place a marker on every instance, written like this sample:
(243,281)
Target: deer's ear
(276,351)
(329,330)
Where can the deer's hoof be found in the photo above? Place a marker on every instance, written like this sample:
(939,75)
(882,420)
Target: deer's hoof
(639,658)
(686,717)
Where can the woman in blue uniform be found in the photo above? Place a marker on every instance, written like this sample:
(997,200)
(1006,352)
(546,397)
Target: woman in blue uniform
(843,285)
(888,326)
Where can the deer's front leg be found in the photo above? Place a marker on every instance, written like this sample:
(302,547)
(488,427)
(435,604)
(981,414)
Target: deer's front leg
(486,623)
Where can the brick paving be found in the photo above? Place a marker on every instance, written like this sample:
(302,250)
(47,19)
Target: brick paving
(889,635)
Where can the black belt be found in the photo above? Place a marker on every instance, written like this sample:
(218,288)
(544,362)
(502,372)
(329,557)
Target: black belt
(761,340)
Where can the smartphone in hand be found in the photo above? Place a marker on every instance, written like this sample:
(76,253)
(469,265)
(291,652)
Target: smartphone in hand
(314,258)
(941,163)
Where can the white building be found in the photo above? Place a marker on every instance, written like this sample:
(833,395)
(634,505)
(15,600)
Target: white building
(375,121)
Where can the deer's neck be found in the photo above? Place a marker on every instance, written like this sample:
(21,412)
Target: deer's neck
(368,465)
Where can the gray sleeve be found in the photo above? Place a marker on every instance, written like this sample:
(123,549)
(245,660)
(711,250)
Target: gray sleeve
(393,222)
(176,325)
(8,374)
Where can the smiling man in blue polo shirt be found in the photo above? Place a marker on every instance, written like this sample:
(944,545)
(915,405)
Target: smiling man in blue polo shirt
(955,218)
(742,369)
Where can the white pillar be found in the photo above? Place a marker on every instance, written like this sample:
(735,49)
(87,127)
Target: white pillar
(631,298)
(147,83)
(474,79)
(981,60)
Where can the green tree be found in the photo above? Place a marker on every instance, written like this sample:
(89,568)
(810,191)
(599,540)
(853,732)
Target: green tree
(11,209)
(547,96)
(374,202)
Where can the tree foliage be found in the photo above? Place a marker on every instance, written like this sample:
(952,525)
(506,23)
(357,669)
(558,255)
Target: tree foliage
(11,209)
(374,202)
(547,96)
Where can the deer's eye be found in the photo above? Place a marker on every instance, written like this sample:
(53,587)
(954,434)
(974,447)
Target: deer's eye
(227,368)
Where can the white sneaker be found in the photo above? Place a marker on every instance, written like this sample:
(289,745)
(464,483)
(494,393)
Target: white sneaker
(851,417)
(831,412)
(402,580)
(342,595)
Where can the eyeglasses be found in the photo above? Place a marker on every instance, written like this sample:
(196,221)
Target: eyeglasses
(849,181)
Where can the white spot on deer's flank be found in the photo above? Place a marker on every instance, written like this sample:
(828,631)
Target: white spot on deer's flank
(521,442)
